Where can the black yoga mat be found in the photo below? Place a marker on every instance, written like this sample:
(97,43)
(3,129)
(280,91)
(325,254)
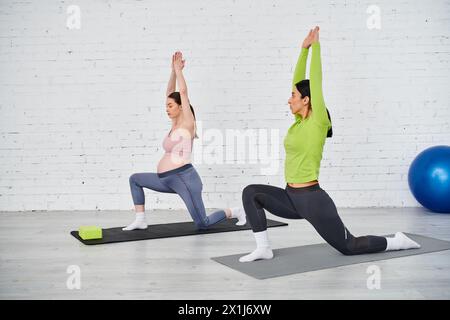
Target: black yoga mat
(320,256)
(179,229)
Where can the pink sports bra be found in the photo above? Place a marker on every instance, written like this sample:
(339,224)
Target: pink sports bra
(178,149)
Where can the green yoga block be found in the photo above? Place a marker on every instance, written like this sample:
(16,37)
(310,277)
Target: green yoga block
(90,232)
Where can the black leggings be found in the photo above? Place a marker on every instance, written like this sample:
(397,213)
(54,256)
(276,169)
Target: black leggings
(311,203)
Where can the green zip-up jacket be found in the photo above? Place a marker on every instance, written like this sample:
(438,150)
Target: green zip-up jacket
(305,138)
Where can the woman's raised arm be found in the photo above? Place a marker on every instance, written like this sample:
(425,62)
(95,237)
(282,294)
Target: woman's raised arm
(317,101)
(185,105)
(171,86)
(300,68)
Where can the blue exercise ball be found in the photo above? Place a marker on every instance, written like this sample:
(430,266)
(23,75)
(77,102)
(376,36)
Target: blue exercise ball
(429,178)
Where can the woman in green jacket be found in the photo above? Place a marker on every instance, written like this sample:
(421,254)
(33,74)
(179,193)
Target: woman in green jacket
(303,198)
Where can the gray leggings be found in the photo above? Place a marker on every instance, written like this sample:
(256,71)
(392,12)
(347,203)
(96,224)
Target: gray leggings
(312,204)
(184,181)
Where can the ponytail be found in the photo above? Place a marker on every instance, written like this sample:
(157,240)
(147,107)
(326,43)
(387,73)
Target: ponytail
(303,88)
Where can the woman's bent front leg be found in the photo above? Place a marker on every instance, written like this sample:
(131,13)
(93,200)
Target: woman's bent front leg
(138,181)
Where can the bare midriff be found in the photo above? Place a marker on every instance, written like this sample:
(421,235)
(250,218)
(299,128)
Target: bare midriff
(170,161)
(302,185)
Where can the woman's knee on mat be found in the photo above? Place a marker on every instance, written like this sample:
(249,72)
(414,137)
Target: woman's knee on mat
(201,224)
(353,246)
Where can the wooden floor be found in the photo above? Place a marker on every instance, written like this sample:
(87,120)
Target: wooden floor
(36,250)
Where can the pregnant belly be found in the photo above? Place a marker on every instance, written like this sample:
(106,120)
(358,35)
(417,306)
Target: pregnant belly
(171,161)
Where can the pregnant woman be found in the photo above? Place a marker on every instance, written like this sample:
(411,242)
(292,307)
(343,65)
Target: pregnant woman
(175,172)
(303,198)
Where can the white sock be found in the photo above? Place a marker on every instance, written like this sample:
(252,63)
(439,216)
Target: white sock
(239,213)
(262,250)
(138,223)
(401,242)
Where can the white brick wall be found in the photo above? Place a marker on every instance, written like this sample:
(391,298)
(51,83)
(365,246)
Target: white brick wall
(81,110)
